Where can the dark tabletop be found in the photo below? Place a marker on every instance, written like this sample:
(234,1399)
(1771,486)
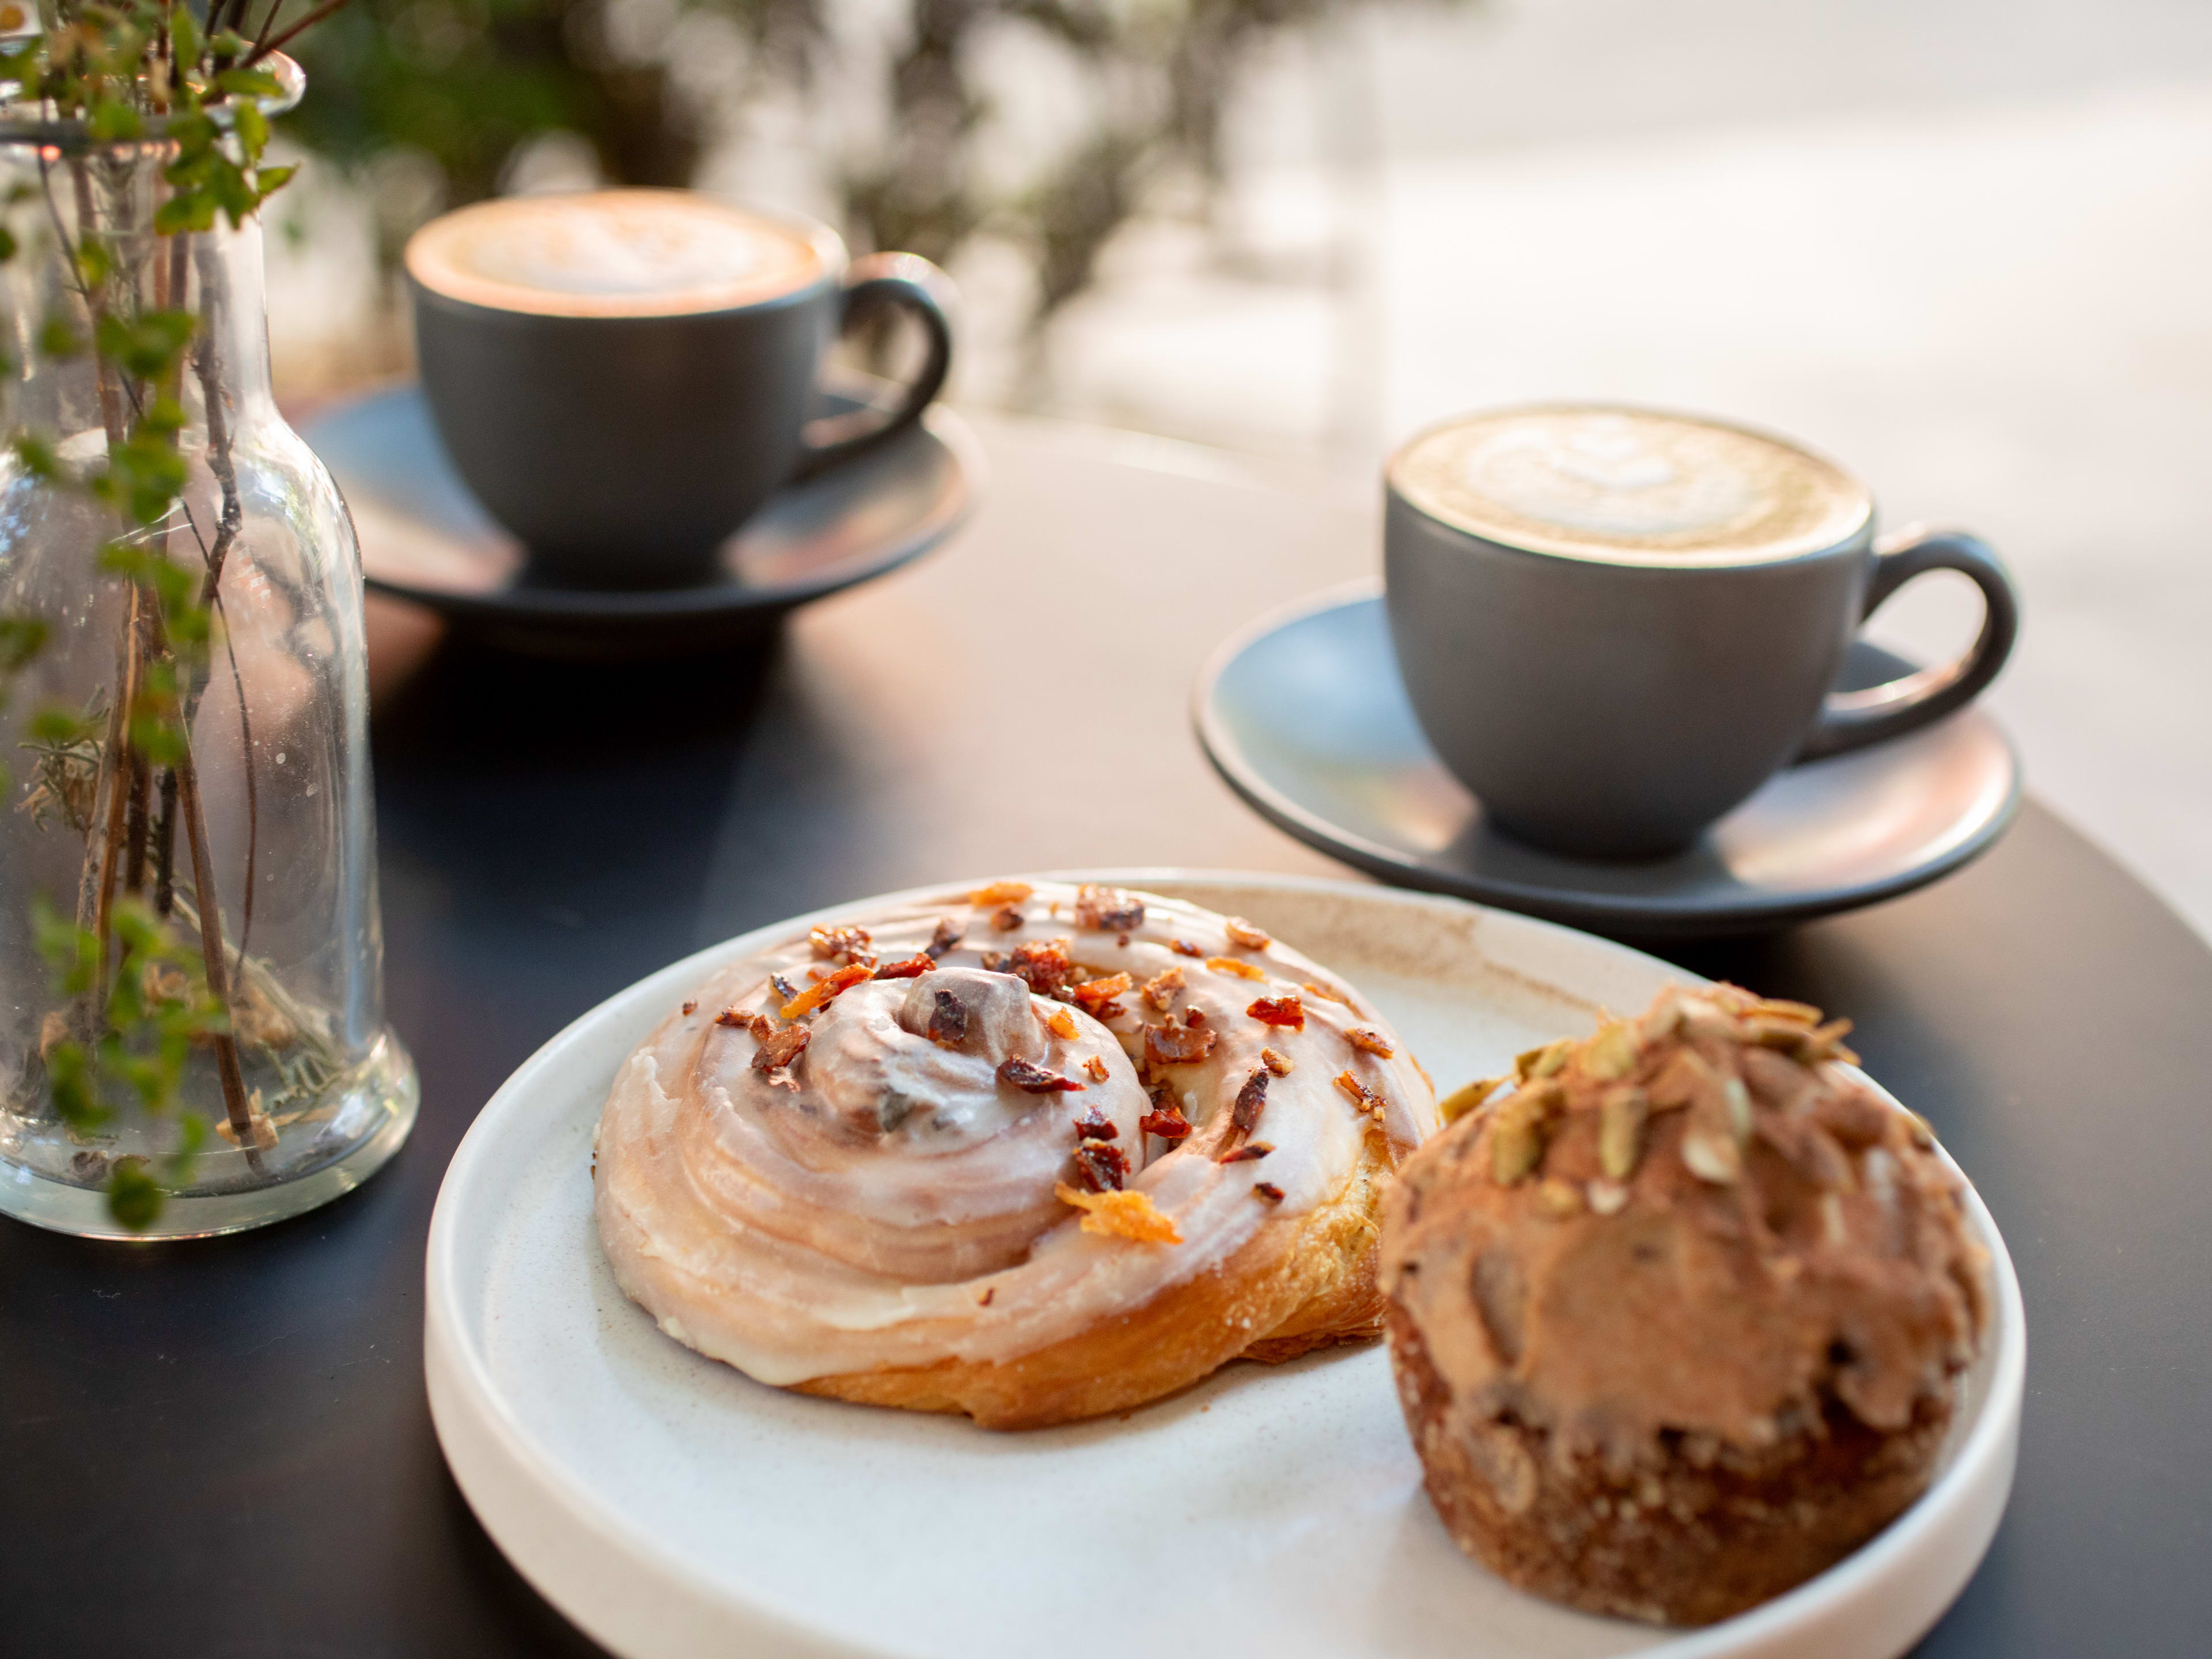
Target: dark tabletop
(222,1447)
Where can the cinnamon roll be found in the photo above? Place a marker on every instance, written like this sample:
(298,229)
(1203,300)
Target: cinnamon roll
(1031,1152)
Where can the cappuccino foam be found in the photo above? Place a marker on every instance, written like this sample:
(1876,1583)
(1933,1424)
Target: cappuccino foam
(611,253)
(1629,484)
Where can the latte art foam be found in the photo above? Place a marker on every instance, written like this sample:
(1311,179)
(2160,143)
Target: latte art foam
(611,253)
(1614,483)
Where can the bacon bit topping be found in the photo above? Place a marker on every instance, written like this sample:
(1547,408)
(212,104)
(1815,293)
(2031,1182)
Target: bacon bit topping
(948,1021)
(841,943)
(1370,1042)
(1362,1097)
(1183,947)
(1246,1153)
(1044,964)
(1251,1100)
(690,1007)
(1193,1016)
(1285,1012)
(731,1016)
(1232,965)
(1245,936)
(1000,892)
(1095,1066)
(946,935)
(1097,995)
(1100,1166)
(1326,993)
(837,984)
(1061,1024)
(1109,910)
(778,1049)
(1268,1190)
(1095,1125)
(1034,1079)
(1160,990)
(785,990)
(1279,1064)
(994,962)
(1121,1215)
(1165,1119)
(1171,1045)
(984,1300)
(912,967)
(1007,918)
(1121,939)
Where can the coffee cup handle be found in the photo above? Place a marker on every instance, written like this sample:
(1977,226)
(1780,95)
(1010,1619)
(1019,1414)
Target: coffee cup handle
(1850,719)
(909,282)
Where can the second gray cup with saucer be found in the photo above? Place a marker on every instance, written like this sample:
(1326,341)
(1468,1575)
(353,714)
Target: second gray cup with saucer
(1615,624)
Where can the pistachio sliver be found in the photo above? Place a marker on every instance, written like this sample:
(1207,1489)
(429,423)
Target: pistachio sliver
(1559,1199)
(1801,1013)
(1739,1106)
(1519,1131)
(1534,1063)
(1620,1130)
(1458,1103)
(1825,1042)
(1612,1052)
(1711,1157)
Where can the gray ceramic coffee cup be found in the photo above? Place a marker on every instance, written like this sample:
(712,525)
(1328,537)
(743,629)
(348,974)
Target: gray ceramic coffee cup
(623,434)
(1615,624)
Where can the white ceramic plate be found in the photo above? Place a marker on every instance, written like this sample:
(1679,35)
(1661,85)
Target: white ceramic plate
(672,1508)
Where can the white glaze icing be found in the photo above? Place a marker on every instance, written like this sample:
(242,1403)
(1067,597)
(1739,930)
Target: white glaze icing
(887,1200)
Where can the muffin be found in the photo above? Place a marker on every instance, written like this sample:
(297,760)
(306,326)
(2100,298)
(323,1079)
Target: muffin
(1676,1317)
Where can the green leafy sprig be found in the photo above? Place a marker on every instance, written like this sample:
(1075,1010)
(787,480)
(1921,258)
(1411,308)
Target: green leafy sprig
(157,1008)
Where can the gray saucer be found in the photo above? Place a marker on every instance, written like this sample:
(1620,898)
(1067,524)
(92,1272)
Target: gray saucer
(424,537)
(1305,715)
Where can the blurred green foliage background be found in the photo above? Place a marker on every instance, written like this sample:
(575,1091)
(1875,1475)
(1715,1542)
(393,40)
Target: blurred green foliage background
(902,88)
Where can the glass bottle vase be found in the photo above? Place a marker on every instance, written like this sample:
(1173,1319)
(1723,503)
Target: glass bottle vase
(242,842)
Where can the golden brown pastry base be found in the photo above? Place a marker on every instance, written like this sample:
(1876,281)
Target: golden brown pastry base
(1300,1283)
(1678,1543)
